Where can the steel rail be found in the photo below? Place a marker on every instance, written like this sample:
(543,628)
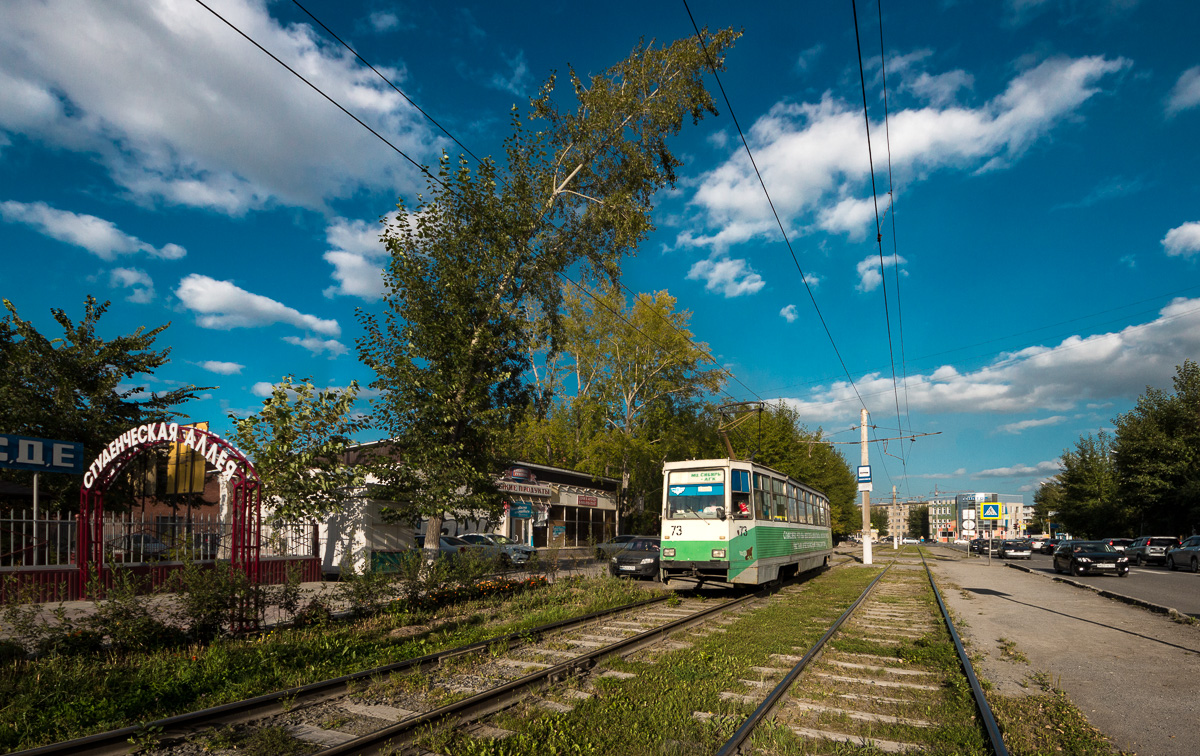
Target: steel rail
(735,743)
(116,742)
(497,699)
(981,702)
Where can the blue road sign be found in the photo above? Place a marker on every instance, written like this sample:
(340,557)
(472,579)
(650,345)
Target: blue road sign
(40,454)
(990,512)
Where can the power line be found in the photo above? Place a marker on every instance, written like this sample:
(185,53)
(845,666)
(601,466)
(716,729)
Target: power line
(434,178)
(787,241)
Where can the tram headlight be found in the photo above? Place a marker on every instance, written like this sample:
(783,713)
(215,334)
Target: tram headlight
(668,552)
(718,553)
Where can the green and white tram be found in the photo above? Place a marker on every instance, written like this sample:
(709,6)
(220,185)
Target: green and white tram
(733,521)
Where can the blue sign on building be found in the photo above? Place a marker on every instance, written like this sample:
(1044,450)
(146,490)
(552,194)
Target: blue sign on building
(520,510)
(40,454)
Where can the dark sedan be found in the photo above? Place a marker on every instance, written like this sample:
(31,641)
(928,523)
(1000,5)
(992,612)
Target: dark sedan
(639,558)
(1087,557)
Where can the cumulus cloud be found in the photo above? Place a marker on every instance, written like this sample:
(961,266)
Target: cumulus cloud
(517,80)
(1023,425)
(788,313)
(317,345)
(263,389)
(98,236)
(1050,467)
(355,254)
(223,305)
(221,368)
(870,273)
(1183,241)
(382,21)
(137,281)
(812,154)
(178,108)
(1186,92)
(730,277)
(942,476)
(1077,371)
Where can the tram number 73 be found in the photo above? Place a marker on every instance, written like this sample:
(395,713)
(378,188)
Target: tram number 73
(742,530)
(676,530)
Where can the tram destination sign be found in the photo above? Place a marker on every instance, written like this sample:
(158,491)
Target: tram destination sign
(40,454)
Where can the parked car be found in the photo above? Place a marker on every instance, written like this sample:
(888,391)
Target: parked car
(1120,544)
(639,558)
(612,546)
(1015,550)
(503,547)
(451,546)
(136,547)
(910,541)
(1186,555)
(1150,549)
(961,541)
(1086,557)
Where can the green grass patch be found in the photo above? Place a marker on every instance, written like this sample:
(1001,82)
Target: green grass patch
(61,697)
(1047,723)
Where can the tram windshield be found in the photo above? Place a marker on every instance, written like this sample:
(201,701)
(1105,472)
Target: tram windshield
(696,495)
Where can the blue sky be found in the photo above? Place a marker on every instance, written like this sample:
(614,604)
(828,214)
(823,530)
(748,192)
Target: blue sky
(1042,270)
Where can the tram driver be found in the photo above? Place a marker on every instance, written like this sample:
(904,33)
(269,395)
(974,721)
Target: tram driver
(741,507)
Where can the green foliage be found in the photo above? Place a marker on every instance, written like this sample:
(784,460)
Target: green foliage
(1089,506)
(918,521)
(879,521)
(298,443)
(1157,457)
(74,388)
(486,246)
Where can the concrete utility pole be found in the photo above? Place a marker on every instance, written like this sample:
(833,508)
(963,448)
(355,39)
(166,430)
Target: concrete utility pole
(866,494)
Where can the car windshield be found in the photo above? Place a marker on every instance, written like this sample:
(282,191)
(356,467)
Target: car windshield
(1082,546)
(694,495)
(642,544)
(451,540)
(503,540)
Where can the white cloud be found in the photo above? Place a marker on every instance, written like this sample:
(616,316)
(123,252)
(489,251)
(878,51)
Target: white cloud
(813,154)
(1018,427)
(851,216)
(517,81)
(140,283)
(382,21)
(223,305)
(317,345)
(807,57)
(262,389)
(221,368)
(732,278)
(1186,92)
(1183,241)
(870,275)
(942,476)
(789,313)
(1050,467)
(98,236)
(355,257)
(939,89)
(1078,371)
(179,108)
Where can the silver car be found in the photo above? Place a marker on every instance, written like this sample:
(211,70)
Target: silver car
(1015,550)
(1186,555)
(514,552)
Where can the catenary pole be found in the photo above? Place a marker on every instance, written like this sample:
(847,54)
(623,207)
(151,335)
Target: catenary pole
(866,495)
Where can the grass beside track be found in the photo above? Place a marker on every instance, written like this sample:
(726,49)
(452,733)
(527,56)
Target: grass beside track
(58,698)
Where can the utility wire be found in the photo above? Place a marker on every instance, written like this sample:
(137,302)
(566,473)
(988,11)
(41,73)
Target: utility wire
(774,212)
(434,178)
(887,316)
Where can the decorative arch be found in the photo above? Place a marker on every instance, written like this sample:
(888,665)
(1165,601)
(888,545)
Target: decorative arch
(245,504)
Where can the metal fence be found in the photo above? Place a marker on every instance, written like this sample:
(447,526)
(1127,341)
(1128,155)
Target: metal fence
(49,539)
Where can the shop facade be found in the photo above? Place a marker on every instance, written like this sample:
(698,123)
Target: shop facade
(549,507)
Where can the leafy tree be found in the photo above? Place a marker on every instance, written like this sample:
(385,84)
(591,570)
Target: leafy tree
(1047,501)
(469,260)
(1157,457)
(298,443)
(1089,504)
(879,521)
(918,521)
(72,388)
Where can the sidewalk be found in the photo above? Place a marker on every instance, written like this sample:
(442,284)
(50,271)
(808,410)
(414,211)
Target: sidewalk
(1133,673)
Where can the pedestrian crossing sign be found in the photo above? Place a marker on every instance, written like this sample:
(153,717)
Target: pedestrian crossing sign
(990,512)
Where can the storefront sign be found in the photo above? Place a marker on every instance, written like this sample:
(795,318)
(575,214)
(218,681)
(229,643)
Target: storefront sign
(520,510)
(225,458)
(524,488)
(40,454)
(587,501)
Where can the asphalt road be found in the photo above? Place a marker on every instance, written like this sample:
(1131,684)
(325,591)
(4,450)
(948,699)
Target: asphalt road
(1158,585)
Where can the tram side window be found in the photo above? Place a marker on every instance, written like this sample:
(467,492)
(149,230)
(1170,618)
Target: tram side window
(805,501)
(792,512)
(780,501)
(739,485)
(762,499)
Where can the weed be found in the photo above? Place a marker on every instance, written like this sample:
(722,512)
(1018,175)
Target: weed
(146,737)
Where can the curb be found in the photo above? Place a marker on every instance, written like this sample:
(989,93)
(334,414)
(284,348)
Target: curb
(1174,614)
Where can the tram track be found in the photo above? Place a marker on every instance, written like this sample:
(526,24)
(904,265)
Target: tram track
(878,679)
(477,679)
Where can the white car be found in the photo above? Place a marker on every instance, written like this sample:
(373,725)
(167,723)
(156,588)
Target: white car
(909,541)
(961,541)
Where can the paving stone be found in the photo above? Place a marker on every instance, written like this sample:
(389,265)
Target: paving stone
(378,711)
(862,716)
(728,695)
(618,674)
(874,668)
(481,730)
(521,664)
(887,746)
(883,683)
(555,706)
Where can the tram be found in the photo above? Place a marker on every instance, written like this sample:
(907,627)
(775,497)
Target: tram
(734,521)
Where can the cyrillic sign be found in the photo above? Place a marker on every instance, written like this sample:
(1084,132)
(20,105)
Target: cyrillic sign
(40,454)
